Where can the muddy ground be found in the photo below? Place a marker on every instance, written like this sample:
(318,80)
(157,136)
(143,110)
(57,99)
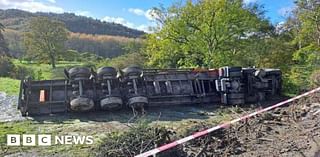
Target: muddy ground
(288,131)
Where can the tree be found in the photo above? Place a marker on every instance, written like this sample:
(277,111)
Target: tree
(46,39)
(3,45)
(207,33)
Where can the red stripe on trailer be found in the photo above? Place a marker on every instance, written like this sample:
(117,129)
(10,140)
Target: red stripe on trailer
(224,125)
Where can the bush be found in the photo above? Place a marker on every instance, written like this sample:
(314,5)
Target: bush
(315,78)
(6,67)
(139,138)
(21,72)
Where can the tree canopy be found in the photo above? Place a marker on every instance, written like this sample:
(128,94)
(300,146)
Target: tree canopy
(45,40)
(3,45)
(206,33)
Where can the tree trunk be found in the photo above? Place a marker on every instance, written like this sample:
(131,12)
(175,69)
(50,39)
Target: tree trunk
(53,61)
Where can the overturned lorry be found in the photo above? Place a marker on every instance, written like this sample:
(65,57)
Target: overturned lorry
(84,89)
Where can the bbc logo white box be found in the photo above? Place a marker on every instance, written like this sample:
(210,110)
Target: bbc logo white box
(13,140)
(44,140)
(28,140)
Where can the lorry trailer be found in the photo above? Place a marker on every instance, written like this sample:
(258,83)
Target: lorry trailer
(84,89)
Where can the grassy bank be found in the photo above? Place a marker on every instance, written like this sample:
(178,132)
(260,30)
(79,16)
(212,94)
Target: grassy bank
(9,86)
(45,71)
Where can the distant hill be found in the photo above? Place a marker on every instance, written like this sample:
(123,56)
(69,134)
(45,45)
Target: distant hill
(17,20)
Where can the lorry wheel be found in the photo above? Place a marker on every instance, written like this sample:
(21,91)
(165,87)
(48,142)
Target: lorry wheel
(81,104)
(111,103)
(109,71)
(79,72)
(132,71)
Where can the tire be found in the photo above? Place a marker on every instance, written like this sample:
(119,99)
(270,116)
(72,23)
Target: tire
(111,103)
(79,72)
(138,100)
(108,71)
(81,104)
(132,71)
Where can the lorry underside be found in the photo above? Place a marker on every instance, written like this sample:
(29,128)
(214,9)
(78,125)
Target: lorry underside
(84,89)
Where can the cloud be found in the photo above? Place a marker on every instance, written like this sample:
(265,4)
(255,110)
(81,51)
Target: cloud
(29,5)
(285,11)
(149,14)
(83,13)
(118,20)
(122,21)
(145,28)
(52,1)
(249,1)
(136,11)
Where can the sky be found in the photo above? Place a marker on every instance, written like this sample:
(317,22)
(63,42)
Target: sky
(131,13)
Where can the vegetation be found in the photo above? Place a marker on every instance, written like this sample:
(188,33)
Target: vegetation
(3,45)
(9,85)
(18,20)
(45,40)
(196,34)
(137,139)
(101,45)
(223,32)
(207,33)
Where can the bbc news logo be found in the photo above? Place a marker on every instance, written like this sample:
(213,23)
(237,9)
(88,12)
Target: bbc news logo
(46,140)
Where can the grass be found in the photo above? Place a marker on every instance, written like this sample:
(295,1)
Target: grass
(13,128)
(9,86)
(34,127)
(45,71)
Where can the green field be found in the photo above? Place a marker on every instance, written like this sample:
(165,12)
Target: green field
(9,86)
(45,71)
(38,71)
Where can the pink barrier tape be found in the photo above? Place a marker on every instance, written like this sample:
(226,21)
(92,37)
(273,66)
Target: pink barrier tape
(224,125)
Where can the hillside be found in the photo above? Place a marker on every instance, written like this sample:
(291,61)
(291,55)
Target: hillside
(107,46)
(18,19)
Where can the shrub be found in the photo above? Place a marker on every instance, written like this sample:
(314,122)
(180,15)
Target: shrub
(139,138)
(6,66)
(315,78)
(21,72)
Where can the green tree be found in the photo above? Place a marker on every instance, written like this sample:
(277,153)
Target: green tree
(204,33)
(3,45)
(305,25)
(46,39)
